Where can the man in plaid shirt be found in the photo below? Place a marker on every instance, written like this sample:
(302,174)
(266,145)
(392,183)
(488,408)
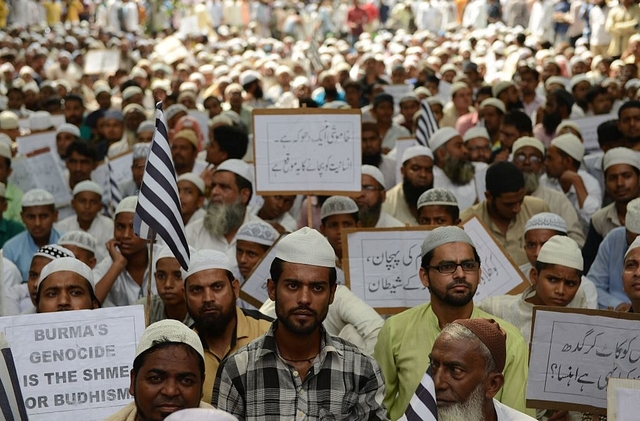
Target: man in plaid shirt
(297,370)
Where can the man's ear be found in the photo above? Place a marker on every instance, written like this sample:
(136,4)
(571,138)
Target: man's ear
(235,285)
(533,276)
(492,384)
(424,277)
(271,289)
(132,389)
(245,194)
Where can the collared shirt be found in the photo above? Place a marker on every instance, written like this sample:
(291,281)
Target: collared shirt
(8,230)
(606,219)
(21,248)
(513,240)
(13,195)
(396,206)
(101,229)
(343,383)
(403,348)
(560,205)
(606,270)
(249,327)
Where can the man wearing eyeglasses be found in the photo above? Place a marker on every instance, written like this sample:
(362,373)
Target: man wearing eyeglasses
(528,157)
(450,269)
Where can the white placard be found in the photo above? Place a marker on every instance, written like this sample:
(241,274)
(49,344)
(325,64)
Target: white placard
(171,49)
(189,25)
(101,61)
(307,150)
(623,399)
(33,142)
(74,366)
(575,351)
(254,289)
(57,120)
(383,264)
(398,92)
(401,145)
(41,170)
(589,129)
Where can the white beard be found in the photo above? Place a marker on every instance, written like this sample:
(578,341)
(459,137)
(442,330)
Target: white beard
(470,410)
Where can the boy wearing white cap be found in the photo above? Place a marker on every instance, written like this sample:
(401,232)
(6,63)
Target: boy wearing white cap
(191,191)
(8,228)
(252,242)
(65,136)
(563,173)
(438,207)
(212,292)
(65,284)
(371,198)
(38,215)
(171,355)
(87,204)
(417,177)
(310,372)
(83,245)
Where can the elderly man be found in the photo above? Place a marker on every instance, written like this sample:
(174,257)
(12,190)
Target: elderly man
(65,284)
(311,373)
(371,199)
(167,374)
(417,177)
(478,349)
(450,269)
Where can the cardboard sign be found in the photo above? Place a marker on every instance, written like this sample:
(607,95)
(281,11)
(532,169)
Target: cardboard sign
(307,150)
(401,145)
(254,289)
(623,399)
(97,62)
(589,129)
(33,142)
(573,354)
(381,266)
(57,120)
(74,366)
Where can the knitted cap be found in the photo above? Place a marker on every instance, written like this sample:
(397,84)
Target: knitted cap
(490,334)
(437,196)
(258,232)
(444,235)
(81,239)
(338,205)
(546,220)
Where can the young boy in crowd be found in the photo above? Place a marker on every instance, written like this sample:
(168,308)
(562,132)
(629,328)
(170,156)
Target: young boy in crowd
(438,207)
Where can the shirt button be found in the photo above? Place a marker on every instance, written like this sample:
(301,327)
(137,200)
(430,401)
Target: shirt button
(295,374)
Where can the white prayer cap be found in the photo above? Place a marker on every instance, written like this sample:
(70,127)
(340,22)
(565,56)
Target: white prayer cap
(66,264)
(137,72)
(194,179)
(547,221)
(188,87)
(31,86)
(375,173)
(494,102)
(434,100)
(169,330)
(133,108)
(87,185)
(258,232)
(500,86)
(131,91)
(634,245)
(570,124)
(97,90)
(609,81)
(437,196)
(175,109)
(53,251)
(40,120)
(527,141)
(338,205)
(8,120)
(236,166)
(414,151)
(442,136)
(128,204)
(146,126)
(37,197)
(5,150)
(300,81)
(620,155)
(445,235)
(577,79)
(141,150)
(448,67)
(206,260)
(474,132)
(200,414)
(69,128)
(632,83)
(562,250)
(632,219)
(248,76)
(569,144)
(306,246)
(160,84)
(81,239)
(555,80)
(457,86)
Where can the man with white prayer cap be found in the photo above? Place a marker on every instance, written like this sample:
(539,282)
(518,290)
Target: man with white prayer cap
(201,414)
(450,269)
(83,245)
(371,198)
(211,292)
(65,136)
(297,353)
(140,154)
(172,349)
(478,143)
(252,242)
(65,284)
(438,207)
(191,189)
(338,213)
(417,173)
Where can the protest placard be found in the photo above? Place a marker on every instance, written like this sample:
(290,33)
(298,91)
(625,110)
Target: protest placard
(623,399)
(74,366)
(589,129)
(254,289)
(97,62)
(40,169)
(401,145)
(381,266)
(171,49)
(33,142)
(189,25)
(57,120)
(307,150)
(397,92)
(573,354)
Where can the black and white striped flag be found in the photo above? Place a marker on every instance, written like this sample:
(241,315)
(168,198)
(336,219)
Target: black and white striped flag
(11,402)
(427,124)
(158,209)
(422,406)
(114,192)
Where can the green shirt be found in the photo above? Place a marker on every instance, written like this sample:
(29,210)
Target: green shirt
(14,203)
(403,348)
(8,229)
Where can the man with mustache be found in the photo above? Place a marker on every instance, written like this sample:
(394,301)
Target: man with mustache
(371,199)
(211,293)
(65,284)
(298,370)
(417,174)
(467,363)
(227,210)
(557,108)
(372,153)
(450,269)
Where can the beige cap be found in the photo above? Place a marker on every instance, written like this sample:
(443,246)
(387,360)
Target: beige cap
(169,330)
(570,144)
(306,246)
(194,179)
(563,251)
(528,141)
(66,264)
(189,135)
(8,120)
(620,155)
(632,219)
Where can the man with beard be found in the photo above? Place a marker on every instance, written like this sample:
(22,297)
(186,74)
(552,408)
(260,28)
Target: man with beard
(477,348)
(372,153)
(450,269)
(557,108)
(227,209)
(438,207)
(563,173)
(310,372)
(629,124)
(211,292)
(382,110)
(371,199)
(528,157)
(453,171)
(417,175)
(252,85)
(507,92)
(506,209)
(528,80)
(491,113)
(74,114)
(184,151)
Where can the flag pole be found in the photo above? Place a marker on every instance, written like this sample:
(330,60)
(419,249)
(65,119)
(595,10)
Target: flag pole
(147,309)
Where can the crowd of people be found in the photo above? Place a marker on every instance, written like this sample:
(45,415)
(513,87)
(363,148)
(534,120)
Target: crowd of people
(515,88)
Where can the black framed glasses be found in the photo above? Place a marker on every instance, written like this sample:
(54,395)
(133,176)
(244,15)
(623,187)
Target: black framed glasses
(451,267)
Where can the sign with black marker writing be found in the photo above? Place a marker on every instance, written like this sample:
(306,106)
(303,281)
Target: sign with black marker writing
(307,150)
(74,366)
(573,354)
